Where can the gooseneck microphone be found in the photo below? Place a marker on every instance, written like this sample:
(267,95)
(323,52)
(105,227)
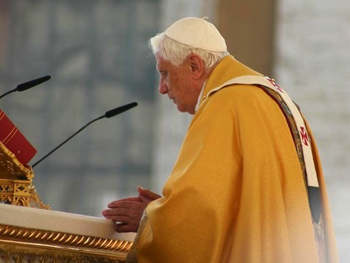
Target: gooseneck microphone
(108,114)
(27,85)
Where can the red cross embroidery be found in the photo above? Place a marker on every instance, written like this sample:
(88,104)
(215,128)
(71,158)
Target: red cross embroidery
(275,85)
(304,136)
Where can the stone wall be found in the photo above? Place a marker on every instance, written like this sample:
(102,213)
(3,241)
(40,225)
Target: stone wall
(312,64)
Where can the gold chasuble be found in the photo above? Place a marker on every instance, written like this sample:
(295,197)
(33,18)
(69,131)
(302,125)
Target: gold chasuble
(237,191)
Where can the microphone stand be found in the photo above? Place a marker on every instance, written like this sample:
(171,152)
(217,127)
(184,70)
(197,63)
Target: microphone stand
(108,114)
(67,140)
(3,95)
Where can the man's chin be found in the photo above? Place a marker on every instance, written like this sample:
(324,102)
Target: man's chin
(184,110)
(180,109)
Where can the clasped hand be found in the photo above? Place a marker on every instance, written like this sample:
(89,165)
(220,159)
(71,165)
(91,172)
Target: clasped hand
(126,213)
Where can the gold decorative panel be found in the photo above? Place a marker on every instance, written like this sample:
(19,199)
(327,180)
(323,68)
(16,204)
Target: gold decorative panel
(19,244)
(14,252)
(16,185)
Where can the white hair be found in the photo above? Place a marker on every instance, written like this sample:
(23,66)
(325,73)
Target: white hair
(176,52)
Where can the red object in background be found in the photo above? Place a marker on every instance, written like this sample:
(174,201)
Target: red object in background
(14,140)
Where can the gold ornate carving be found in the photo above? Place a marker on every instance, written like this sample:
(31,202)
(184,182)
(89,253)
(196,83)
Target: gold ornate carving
(11,168)
(58,238)
(16,185)
(16,252)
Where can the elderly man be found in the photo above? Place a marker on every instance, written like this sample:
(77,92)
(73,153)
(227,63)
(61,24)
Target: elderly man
(247,185)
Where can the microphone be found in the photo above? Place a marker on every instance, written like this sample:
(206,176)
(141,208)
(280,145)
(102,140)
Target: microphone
(108,114)
(27,85)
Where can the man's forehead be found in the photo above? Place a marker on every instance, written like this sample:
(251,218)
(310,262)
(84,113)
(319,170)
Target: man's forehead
(161,62)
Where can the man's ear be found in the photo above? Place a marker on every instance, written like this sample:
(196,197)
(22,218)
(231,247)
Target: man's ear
(197,66)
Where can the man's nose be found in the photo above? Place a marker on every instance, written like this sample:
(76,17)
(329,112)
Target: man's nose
(163,89)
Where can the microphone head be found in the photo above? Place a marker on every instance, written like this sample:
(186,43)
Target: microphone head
(32,83)
(120,109)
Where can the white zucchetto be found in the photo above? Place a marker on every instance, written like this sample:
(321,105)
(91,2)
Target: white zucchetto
(197,32)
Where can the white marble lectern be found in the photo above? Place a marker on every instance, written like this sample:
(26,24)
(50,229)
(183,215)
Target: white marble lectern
(37,235)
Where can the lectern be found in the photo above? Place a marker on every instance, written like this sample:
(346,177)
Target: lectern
(31,232)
